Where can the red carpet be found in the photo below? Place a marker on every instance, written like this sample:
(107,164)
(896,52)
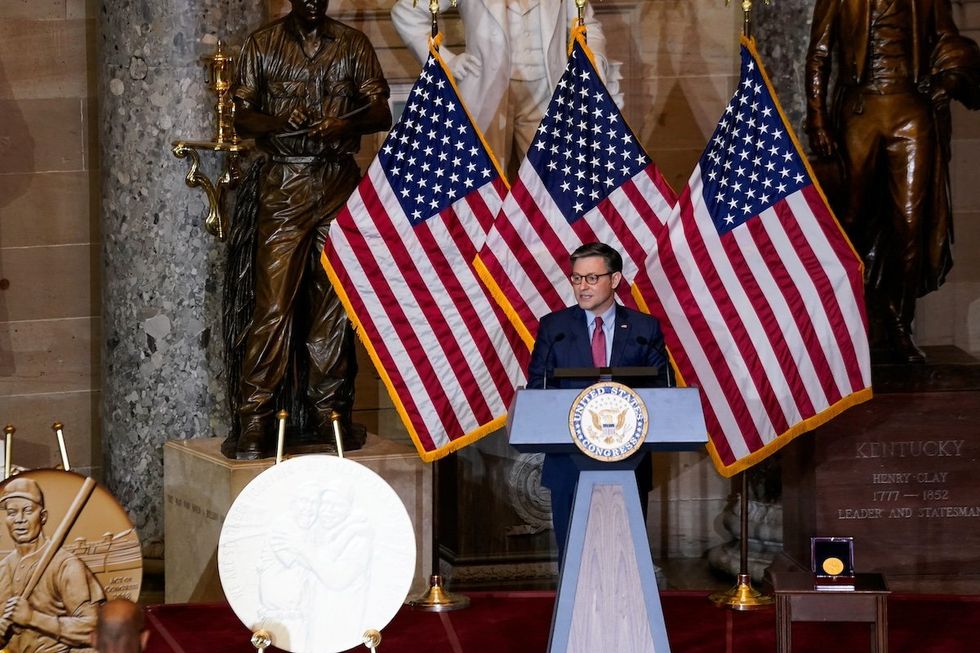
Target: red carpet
(518,622)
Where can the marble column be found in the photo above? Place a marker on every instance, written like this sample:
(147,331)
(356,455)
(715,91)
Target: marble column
(161,281)
(782,34)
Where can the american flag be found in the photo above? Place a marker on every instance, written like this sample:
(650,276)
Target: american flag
(400,255)
(759,291)
(585,178)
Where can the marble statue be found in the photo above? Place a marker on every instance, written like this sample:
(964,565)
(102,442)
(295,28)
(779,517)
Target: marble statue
(516,51)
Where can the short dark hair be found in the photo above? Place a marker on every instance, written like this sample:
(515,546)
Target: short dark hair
(614,261)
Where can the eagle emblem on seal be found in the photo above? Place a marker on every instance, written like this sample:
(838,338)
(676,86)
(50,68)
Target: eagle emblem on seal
(608,421)
(608,425)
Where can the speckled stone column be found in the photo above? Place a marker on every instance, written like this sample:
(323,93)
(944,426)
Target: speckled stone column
(161,281)
(782,34)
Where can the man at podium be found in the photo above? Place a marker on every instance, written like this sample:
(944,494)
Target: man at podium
(596,332)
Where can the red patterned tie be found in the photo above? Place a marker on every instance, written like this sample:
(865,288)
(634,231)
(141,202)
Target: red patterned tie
(598,344)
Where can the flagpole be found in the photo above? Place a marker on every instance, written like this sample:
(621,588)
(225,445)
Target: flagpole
(743,596)
(437,598)
(434,10)
(747,18)
(581,18)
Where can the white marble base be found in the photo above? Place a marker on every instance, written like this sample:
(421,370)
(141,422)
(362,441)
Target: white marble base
(200,485)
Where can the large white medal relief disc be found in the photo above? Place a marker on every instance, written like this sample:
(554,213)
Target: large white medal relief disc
(608,421)
(316,550)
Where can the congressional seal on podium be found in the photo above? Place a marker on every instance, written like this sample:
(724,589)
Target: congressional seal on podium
(316,552)
(608,421)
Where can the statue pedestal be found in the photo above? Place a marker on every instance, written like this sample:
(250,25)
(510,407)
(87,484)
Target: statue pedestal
(200,485)
(899,474)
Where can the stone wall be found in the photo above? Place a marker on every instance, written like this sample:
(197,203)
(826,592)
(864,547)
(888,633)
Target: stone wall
(49,230)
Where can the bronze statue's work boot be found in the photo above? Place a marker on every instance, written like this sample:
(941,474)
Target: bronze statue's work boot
(906,351)
(254,439)
(229,446)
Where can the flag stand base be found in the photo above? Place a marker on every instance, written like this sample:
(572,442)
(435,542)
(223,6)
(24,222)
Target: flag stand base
(438,599)
(742,596)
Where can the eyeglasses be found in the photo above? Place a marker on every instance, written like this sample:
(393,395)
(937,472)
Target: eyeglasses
(590,279)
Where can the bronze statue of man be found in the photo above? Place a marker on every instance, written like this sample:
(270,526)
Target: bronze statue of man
(308,88)
(898,64)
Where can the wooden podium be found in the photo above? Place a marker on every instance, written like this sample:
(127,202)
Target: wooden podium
(608,598)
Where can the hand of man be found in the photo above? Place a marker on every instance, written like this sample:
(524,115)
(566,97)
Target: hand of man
(330,129)
(284,548)
(465,64)
(822,143)
(18,611)
(296,119)
(942,86)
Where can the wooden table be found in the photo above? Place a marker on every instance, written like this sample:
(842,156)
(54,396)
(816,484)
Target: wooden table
(797,600)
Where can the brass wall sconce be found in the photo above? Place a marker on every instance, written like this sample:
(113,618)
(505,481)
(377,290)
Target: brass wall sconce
(221,71)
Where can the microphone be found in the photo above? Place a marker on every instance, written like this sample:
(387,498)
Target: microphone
(547,358)
(645,342)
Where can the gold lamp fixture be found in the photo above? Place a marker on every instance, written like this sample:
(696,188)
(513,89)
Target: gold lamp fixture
(221,71)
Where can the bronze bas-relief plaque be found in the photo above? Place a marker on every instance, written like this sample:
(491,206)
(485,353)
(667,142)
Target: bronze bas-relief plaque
(899,474)
(102,535)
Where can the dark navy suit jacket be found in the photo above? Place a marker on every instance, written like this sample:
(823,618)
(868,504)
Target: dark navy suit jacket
(563,341)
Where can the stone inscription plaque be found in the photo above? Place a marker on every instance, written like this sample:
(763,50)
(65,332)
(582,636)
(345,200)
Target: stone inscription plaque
(899,474)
